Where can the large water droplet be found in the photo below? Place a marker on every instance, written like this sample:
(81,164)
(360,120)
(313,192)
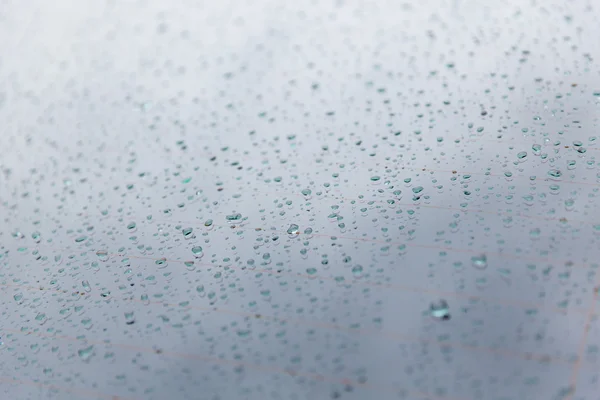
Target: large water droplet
(293,229)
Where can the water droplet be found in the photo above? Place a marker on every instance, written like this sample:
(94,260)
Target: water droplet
(479,262)
(357,271)
(197,251)
(129,318)
(161,262)
(555,173)
(86,353)
(233,217)
(440,310)
(293,230)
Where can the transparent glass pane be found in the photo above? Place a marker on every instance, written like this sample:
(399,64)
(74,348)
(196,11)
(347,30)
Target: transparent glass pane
(299,199)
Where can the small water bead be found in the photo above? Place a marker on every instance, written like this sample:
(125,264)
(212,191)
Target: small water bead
(375,178)
(554,189)
(357,271)
(129,318)
(555,173)
(102,255)
(161,262)
(569,204)
(522,155)
(234,217)
(86,353)
(189,265)
(528,199)
(479,262)
(590,164)
(187,233)
(439,310)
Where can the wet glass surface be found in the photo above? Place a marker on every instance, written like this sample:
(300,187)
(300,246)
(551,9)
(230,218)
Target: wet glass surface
(299,200)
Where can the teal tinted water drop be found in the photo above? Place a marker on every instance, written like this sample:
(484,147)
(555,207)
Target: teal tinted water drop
(102,255)
(234,217)
(357,271)
(535,233)
(440,310)
(479,262)
(569,203)
(197,251)
(555,173)
(86,353)
(161,262)
(189,265)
